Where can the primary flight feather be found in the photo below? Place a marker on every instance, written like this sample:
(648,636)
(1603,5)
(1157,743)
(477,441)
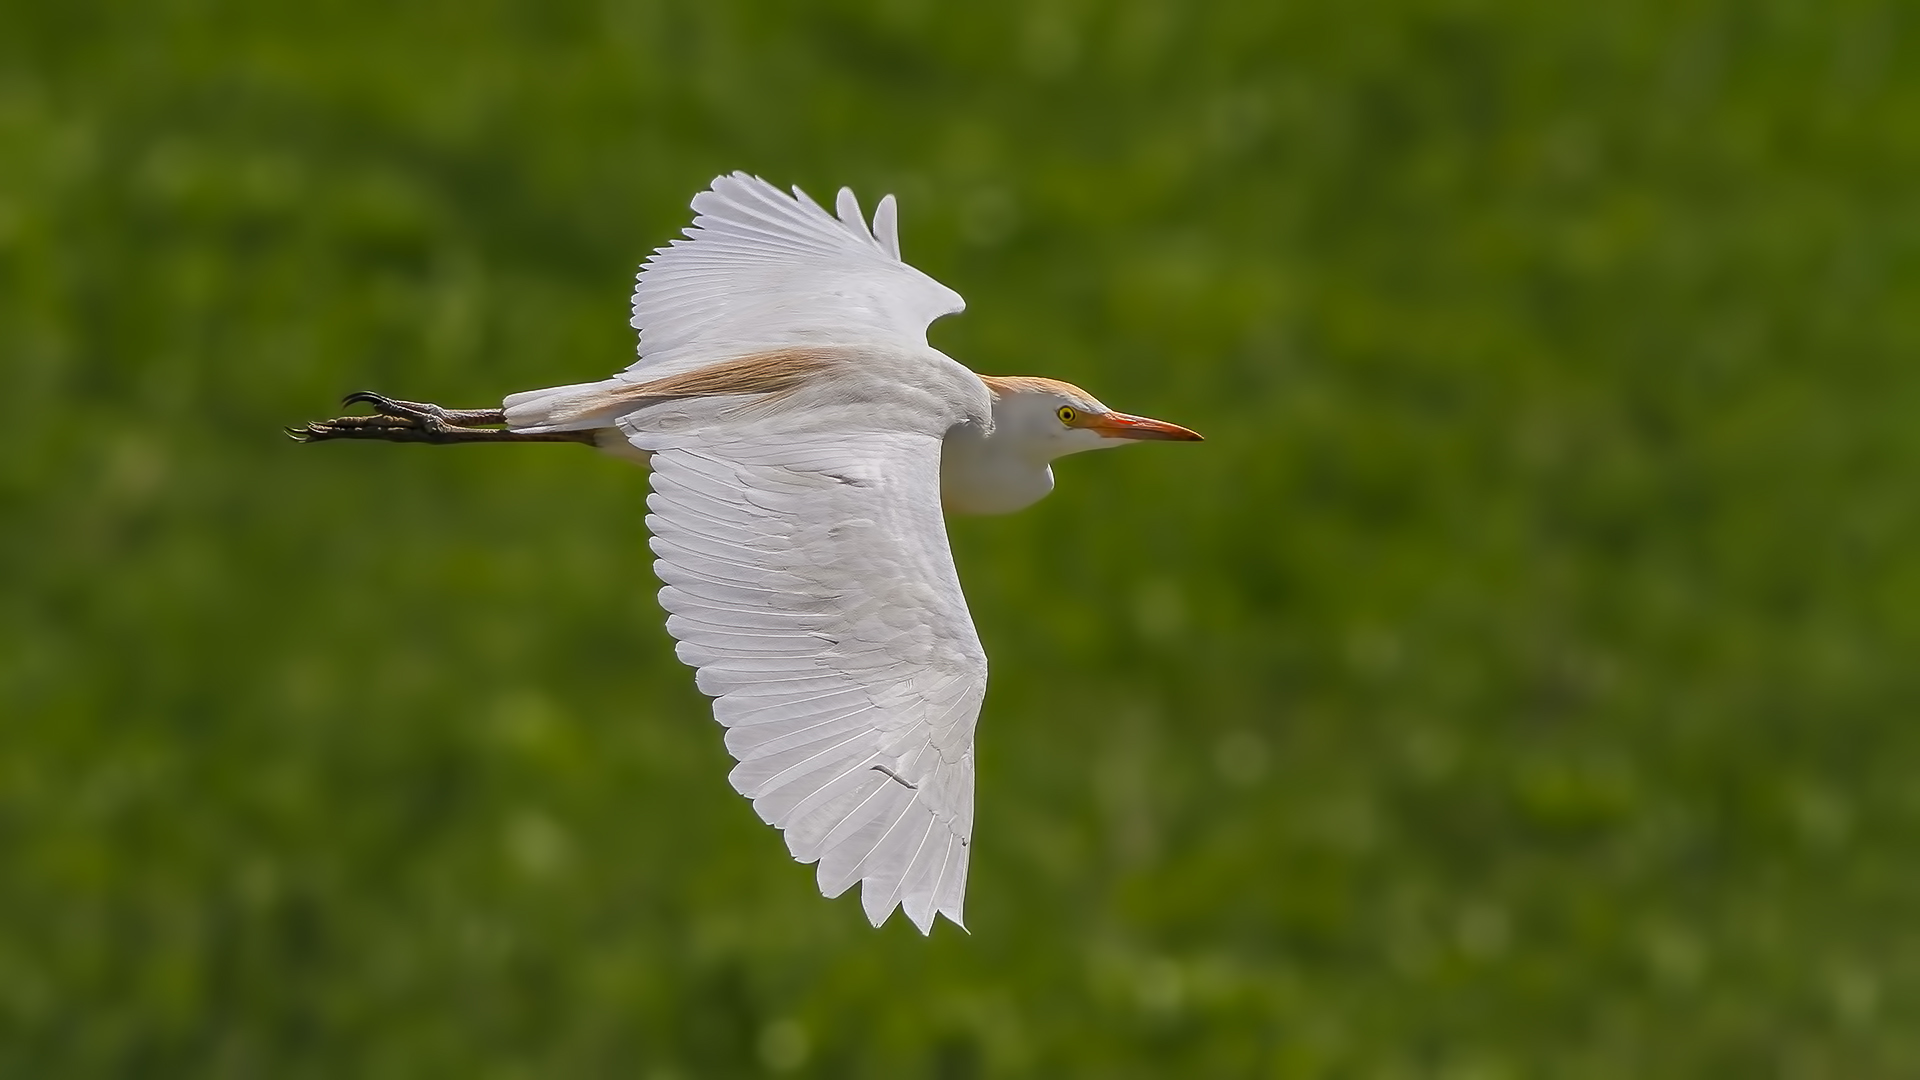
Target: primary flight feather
(804,440)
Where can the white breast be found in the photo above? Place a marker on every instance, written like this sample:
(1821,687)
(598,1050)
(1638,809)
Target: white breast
(980,475)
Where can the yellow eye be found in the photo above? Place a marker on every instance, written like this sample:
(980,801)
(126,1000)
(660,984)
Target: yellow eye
(1067,414)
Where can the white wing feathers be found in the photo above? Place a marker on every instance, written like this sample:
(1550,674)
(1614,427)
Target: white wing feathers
(808,579)
(799,533)
(760,270)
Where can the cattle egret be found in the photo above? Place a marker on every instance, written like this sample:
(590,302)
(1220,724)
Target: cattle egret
(803,439)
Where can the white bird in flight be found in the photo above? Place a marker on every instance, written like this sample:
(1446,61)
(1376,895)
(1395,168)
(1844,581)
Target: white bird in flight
(803,440)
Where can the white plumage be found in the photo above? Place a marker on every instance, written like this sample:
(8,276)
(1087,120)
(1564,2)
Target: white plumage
(808,581)
(759,270)
(808,578)
(804,441)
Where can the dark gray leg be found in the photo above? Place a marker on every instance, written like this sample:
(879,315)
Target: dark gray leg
(421,422)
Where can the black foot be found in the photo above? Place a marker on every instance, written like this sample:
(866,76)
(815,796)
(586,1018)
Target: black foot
(388,428)
(422,422)
(424,412)
(399,421)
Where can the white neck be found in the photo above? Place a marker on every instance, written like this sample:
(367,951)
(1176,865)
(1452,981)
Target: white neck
(980,474)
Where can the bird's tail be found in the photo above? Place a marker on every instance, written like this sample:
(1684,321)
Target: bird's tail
(579,407)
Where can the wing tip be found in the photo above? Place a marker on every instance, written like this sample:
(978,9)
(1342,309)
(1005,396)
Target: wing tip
(922,921)
(886,224)
(882,233)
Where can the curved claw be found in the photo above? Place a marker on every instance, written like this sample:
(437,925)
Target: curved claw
(410,421)
(380,402)
(318,432)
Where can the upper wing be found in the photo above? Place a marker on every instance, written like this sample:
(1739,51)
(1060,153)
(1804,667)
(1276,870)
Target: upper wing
(808,579)
(759,269)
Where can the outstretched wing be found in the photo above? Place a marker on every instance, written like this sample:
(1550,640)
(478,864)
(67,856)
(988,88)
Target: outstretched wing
(760,270)
(808,579)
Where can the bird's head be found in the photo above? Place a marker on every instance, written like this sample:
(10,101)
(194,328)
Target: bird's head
(1047,419)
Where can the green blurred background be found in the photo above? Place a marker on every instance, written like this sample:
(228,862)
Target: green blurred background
(1520,682)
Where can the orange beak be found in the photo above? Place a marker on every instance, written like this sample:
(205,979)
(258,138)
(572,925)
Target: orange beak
(1116,425)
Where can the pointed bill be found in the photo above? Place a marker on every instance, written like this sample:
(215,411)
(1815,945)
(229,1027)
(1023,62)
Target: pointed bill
(1117,425)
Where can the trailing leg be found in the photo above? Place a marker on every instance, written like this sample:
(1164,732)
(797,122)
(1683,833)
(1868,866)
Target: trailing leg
(423,422)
